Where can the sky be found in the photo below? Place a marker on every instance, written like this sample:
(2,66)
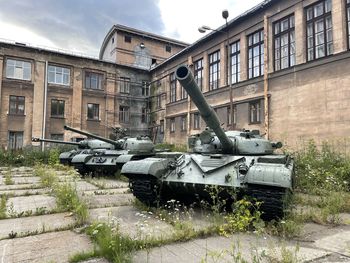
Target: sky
(81,25)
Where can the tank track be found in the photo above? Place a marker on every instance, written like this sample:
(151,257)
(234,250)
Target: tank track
(145,189)
(273,200)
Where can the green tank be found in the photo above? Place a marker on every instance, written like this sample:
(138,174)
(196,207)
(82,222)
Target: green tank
(242,161)
(108,161)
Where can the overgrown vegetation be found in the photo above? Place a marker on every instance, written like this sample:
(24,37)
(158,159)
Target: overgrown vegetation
(3,200)
(8,177)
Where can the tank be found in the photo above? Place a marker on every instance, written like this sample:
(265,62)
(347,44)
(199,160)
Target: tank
(83,147)
(108,161)
(239,161)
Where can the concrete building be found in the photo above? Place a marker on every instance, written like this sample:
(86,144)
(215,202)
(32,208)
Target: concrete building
(280,67)
(285,73)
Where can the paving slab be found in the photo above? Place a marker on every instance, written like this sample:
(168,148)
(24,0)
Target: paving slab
(131,222)
(30,203)
(19,186)
(105,183)
(339,242)
(26,180)
(83,186)
(106,191)
(96,201)
(43,223)
(24,192)
(50,247)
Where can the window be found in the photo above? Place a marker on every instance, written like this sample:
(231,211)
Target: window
(127,39)
(15,141)
(161,128)
(145,88)
(17,104)
(284,37)
(168,48)
(144,115)
(57,136)
(183,93)
(198,73)
(256,54)
(57,108)
(319,30)
(59,75)
(254,112)
(235,62)
(17,69)
(159,101)
(93,81)
(196,121)
(172,125)
(124,114)
(348,20)
(93,111)
(229,123)
(172,87)
(183,123)
(124,85)
(214,70)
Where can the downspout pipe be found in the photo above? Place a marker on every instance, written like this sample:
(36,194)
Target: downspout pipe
(44,107)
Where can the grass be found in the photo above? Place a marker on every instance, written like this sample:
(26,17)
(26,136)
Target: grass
(3,209)
(8,178)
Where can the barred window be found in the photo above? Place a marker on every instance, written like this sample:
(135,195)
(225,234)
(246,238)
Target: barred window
(18,69)
(17,105)
(198,73)
(57,108)
(214,70)
(319,30)
(173,87)
(235,55)
(256,54)
(93,81)
(59,75)
(124,85)
(284,37)
(93,111)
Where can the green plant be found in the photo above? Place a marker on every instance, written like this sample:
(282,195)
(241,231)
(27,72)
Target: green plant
(81,256)
(8,177)
(54,154)
(3,200)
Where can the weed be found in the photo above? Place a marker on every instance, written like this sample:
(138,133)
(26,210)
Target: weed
(3,200)
(8,177)
(12,234)
(47,176)
(82,256)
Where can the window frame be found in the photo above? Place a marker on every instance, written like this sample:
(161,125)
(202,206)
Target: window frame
(23,68)
(124,114)
(159,101)
(172,125)
(127,39)
(144,115)
(235,61)
(168,48)
(124,85)
(250,48)
(15,136)
(257,119)
(98,77)
(56,73)
(313,21)
(145,89)
(57,108)
(161,128)
(229,115)
(198,72)
(183,123)
(17,103)
(173,87)
(214,76)
(94,116)
(290,31)
(196,121)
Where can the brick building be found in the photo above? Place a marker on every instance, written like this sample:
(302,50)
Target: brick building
(281,67)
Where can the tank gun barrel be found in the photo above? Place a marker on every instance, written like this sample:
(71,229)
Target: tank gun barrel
(92,136)
(185,77)
(35,139)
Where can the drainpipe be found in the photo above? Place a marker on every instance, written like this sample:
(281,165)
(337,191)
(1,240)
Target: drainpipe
(44,107)
(266,80)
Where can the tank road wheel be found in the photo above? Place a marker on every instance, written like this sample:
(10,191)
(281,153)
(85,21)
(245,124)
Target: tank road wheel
(272,200)
(145,189)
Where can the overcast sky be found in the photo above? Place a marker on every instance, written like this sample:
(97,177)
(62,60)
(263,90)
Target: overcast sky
(81,25)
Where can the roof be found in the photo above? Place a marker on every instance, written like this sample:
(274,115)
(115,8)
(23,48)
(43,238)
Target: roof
(142,33)
(261,6)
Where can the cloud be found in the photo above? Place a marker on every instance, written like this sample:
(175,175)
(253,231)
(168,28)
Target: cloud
(78,25)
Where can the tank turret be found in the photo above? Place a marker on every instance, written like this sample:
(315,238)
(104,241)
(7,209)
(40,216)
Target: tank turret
(215,139)
(109,144)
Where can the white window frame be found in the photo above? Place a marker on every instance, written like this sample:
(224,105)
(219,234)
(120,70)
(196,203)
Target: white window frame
(58,75)
(17,69)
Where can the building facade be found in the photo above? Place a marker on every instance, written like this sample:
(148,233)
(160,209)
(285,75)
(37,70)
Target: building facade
(280,68)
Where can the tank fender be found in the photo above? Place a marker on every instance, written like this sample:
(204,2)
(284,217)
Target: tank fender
(81,158)
(270,175)
(149,166)
(124,158)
